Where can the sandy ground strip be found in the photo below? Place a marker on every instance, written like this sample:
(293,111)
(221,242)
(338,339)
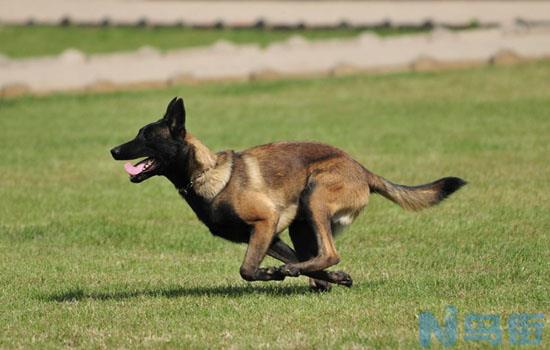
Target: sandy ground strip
(72,70)
(272,13)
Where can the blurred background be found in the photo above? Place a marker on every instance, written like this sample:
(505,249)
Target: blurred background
(55,45)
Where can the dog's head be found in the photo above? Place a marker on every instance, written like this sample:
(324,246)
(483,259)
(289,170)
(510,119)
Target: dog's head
(161,142)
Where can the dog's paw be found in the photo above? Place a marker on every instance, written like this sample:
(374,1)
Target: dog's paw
(319,285)
(272,273)
(289,270)
(342,278)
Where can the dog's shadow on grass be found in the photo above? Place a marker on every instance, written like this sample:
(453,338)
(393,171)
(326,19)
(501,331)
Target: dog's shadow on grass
(78,294)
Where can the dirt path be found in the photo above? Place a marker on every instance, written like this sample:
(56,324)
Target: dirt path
(73,70)
(272,13)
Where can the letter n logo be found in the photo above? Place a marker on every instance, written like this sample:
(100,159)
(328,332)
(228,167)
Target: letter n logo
(446,334)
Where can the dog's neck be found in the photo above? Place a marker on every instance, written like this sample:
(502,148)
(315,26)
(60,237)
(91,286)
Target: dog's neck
(206,173)
(201,158)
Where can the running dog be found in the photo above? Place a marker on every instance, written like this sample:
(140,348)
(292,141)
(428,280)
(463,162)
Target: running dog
(313,189)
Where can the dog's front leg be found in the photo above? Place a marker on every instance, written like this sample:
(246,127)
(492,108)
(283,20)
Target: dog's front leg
(258,245)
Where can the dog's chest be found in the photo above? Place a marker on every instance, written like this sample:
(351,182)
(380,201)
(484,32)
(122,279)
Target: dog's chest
(221,219)
(227,224)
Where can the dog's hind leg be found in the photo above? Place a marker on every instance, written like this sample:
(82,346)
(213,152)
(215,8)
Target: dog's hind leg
(306,248)
(319,280)
(260,241)
(315,201)
(304,241)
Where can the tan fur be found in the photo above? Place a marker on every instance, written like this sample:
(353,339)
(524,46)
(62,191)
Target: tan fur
(286,217)
(210,183)
(410,198)
(253,173)
(211,172)
(203,157)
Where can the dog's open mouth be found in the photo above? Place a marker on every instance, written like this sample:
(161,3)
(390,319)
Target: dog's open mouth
(142,170)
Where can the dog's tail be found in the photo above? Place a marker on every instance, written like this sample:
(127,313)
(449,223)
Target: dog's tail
(415,197)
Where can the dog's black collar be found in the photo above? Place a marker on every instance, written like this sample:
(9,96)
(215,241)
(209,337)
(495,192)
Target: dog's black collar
(185,189)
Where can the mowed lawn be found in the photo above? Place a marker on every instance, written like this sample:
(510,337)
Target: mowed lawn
(90,260)
(26,41)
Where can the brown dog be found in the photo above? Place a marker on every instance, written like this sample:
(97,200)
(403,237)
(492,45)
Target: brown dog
(310,188)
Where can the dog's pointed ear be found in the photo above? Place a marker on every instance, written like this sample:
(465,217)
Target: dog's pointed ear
(175,116)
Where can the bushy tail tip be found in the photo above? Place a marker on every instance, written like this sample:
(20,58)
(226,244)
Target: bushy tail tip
(416,197)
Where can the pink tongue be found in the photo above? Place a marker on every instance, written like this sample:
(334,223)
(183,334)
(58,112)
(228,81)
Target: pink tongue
(134,170)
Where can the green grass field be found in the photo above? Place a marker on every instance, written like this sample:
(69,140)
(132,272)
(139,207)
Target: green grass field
(25,41)
(90,260)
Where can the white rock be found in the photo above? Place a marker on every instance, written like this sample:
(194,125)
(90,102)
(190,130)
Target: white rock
(296,41)
(72,56)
